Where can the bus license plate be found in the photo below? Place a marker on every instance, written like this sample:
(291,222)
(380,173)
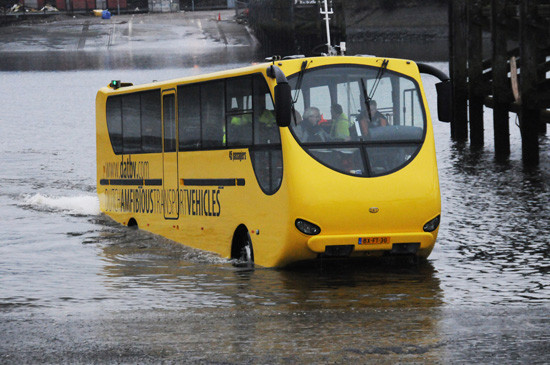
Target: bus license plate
(374,240)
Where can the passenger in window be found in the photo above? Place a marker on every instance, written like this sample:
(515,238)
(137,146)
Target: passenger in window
(240,130)
(241,120)
(325,124)
(339,129)
(267,118)
(375,120)
(267,131)
(308,130)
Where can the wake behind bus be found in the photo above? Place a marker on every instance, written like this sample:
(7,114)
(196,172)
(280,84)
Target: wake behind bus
(279,162)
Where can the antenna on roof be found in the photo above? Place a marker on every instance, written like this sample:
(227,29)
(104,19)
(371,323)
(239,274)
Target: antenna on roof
(326,13)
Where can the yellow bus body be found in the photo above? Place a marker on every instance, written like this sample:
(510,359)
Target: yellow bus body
(381,211)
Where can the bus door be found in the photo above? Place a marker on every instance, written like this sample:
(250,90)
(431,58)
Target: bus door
(170,155)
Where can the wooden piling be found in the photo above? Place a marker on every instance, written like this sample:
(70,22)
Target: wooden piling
(543,84)
(458,67)
(478,82)
(500,85)
(475,72)
(542,67)
(529,112)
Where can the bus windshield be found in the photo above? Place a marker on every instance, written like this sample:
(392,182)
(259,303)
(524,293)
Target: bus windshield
(359,120)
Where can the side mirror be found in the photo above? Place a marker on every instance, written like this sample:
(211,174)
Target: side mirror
(283,104)
(444,100)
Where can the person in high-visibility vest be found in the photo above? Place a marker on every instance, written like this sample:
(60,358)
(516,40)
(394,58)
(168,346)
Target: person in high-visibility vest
(267,118)
(267,131)
(243,119)
(339,128)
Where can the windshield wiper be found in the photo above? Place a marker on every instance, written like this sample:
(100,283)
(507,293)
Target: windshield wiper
(367,97)
(381,71)
(298,88)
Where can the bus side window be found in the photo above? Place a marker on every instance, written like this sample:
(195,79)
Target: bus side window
(151,140)
(267,157)
(268,166)
(169,115)
(131,124)
(239,111)
(189,112)
(212,118)
(114,122)
(266,130)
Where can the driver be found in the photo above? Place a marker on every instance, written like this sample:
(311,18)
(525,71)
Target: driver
(376,119)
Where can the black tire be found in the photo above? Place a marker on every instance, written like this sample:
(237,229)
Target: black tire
(244,253)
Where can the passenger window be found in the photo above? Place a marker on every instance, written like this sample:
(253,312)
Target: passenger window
(346,160)
(114,122)
(412,111)
(384,159)
(320,98)
(299,105)
(151,122)
(383,96)
(349,97)
(239,113)
(213,123)
(169,118)
(265,126)
(189,112)
(266,157)
(131,124)
(268,166)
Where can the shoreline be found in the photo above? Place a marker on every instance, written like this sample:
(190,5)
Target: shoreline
(138,41)
(417,33)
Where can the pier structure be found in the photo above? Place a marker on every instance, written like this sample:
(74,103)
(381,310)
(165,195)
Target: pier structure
(514,78)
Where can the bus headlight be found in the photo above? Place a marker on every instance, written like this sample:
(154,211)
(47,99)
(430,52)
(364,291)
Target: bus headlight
(432,225)
(307,227)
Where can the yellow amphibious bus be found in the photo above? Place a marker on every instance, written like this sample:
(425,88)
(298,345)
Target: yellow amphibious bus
(279,162)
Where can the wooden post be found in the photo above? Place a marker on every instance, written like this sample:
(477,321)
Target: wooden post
(541,77)
(458,69)
(501,85)
(529,114)
(475,72)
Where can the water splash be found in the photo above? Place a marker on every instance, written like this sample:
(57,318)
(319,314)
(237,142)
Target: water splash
(82,204)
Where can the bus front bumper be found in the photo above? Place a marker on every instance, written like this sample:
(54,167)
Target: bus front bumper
(398,243)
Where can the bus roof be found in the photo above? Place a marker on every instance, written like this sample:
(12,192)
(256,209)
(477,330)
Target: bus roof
(254,68)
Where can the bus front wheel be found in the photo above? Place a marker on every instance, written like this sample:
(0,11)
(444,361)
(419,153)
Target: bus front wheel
(242,250)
